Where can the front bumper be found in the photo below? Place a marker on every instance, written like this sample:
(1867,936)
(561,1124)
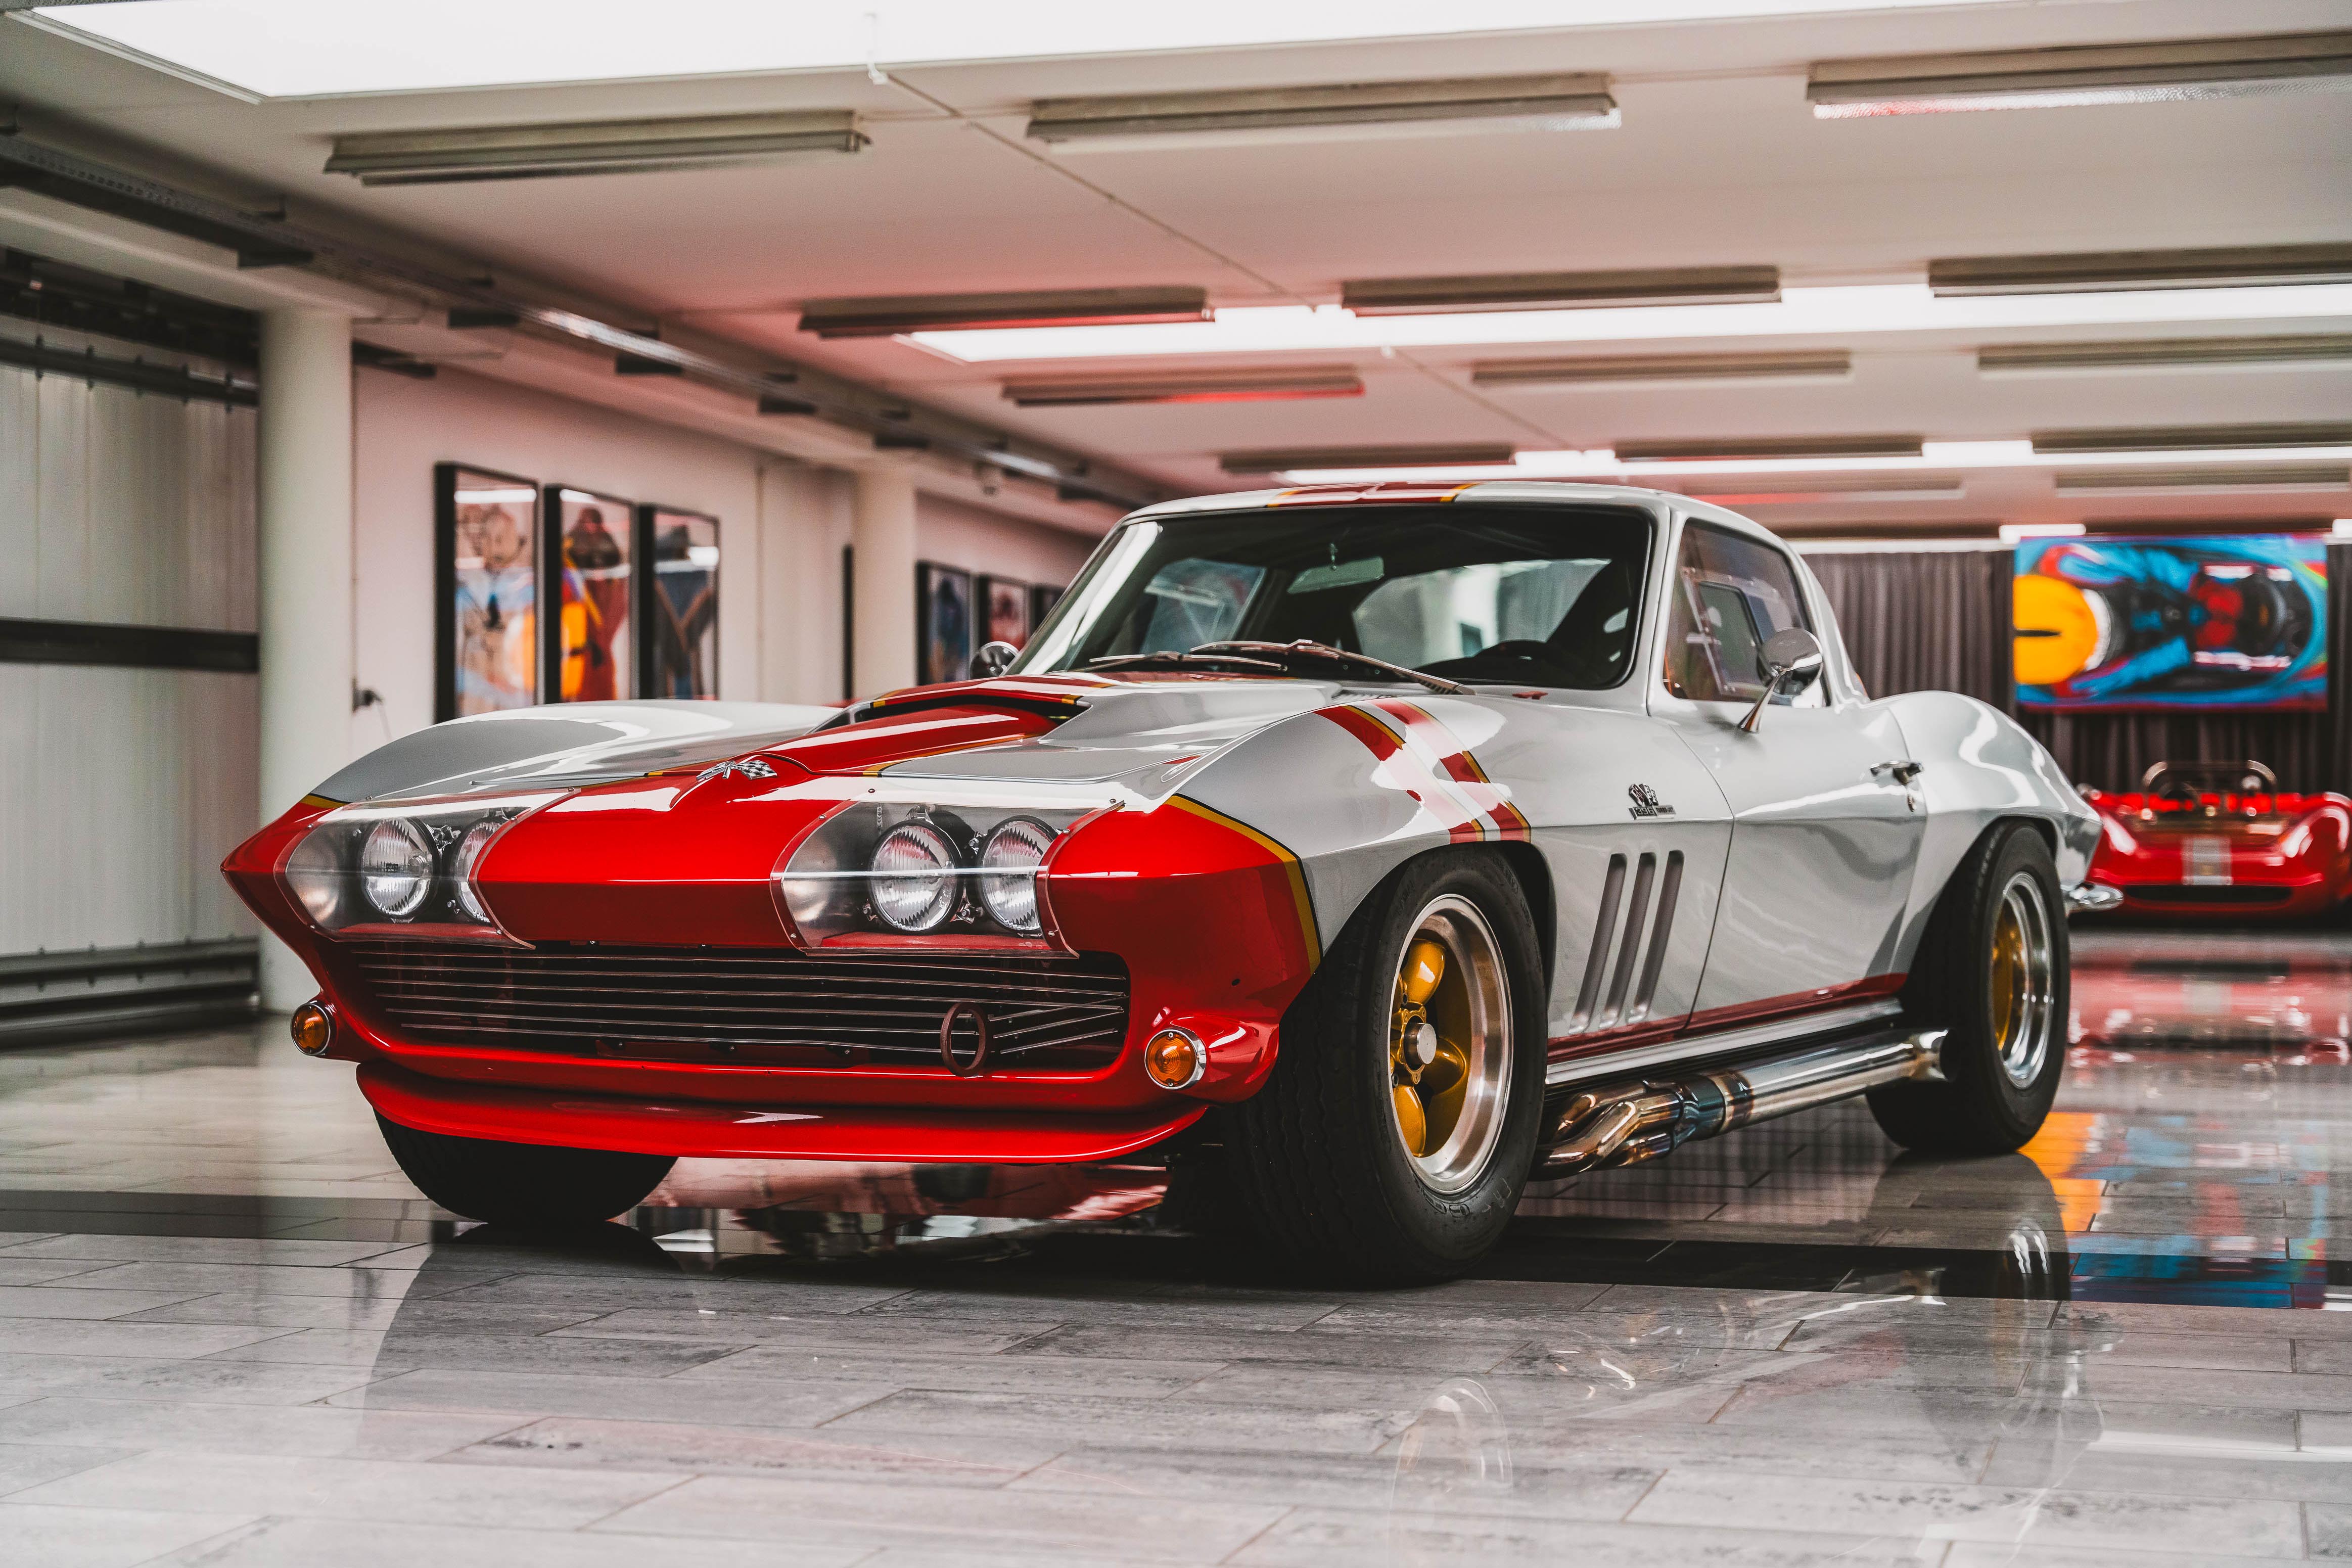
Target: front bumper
(700,1130)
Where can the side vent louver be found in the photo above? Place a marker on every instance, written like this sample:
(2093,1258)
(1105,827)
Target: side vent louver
(1592,1011)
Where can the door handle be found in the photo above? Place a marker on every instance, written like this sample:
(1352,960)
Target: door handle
(1902,773)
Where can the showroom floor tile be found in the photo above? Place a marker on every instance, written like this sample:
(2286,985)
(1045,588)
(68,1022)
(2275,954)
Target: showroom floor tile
(231,1335)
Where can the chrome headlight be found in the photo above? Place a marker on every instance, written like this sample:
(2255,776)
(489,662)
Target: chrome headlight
(873,871)
(411,866)
(1008,872)
(396,866)
(914,871)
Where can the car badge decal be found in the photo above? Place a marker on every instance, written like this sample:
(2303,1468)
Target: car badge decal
(750,767)
(1646,802)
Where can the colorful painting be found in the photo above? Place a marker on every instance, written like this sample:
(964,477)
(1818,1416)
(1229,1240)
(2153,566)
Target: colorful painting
(490,592)
(1005,610)
(943,624)
(682,651)
(597,651)
(2174,621)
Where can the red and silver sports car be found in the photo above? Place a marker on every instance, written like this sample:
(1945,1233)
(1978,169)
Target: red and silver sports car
(1379,848)
(2206,839)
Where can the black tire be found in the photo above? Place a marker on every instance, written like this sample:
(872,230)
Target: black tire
(1315,1157)
(1977,1108)
(530,1186)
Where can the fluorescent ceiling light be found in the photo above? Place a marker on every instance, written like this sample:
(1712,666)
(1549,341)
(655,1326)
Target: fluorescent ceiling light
(1603,465)
(2190,437)
(1234,386)
(1450,454)
(588,147)
(2283,476)
(1665,370)
(2010,532)
(1769,447)
(2164,353)
(280,49)
(904,314)
(1843,312)
(2073,75)
(2099,272)
(1562,291)
(1763,488)
(1345,112)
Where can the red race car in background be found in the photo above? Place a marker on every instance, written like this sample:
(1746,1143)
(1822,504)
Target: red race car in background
(2222,839)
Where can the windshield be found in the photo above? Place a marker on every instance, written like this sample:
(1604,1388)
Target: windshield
(1517,595)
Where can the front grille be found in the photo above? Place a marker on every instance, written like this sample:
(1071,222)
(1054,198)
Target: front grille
(2249,893)
(751,1007)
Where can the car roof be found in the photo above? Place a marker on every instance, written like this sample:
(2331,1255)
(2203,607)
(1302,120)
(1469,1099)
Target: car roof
(1519,492)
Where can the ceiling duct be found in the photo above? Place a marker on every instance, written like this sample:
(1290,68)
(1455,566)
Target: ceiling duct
(2101,272)
(1236,386)
(588,147)
(1562,291)
(2073,75)
(1346,111)
(2247,476)
(1675,370)
(889,315)
(1733,449)
(1460,454)
(2164,353)
(2190,438)
(730,370)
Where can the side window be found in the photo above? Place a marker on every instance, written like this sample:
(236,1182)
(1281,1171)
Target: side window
(1729,595)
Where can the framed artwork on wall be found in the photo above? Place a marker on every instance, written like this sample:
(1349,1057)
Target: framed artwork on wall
(487,565)
(592,551)
(1003,610)
(678,637)
(943,622)
(2181,622)
(1043,598)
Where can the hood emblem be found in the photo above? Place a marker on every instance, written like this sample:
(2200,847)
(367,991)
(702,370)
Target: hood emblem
(750,767)
(1646,802)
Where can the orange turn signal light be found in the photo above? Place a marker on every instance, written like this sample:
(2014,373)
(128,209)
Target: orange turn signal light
(1174,1058)
(314,1029)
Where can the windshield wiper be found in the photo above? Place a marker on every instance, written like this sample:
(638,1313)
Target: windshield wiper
(1306,649)
(1196,658)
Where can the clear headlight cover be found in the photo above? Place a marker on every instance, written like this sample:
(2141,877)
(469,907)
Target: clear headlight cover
(873,872)
(409,866)
(1008,872)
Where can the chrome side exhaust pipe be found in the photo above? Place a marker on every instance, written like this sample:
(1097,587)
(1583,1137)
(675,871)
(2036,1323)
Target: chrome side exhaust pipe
(1622,1124)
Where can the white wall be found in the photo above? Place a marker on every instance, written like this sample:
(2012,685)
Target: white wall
(404,426)
(120,790)
(954,534)
(782,525)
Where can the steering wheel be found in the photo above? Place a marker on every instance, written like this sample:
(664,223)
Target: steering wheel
(2180,789)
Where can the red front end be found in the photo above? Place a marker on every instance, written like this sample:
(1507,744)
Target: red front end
(2225,856)
(638,982)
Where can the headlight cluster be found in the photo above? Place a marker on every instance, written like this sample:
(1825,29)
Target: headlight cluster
(921,870)
(401,865)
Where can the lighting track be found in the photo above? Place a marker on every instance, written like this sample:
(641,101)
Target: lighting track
(261,240)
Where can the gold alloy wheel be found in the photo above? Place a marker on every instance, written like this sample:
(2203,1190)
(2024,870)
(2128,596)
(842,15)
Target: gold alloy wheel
(1449,1044)
(2018,983)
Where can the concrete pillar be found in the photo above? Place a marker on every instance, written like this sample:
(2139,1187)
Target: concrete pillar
(304,436)
(882,531)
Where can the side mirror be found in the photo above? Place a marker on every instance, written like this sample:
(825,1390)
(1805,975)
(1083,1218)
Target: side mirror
(1792,661)
(994,658)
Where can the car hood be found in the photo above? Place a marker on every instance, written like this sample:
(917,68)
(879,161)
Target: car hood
(1142,733)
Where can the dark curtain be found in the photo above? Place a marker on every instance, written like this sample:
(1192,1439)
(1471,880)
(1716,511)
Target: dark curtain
(1925,621)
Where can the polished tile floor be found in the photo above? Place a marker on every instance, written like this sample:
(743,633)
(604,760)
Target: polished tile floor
(231,1335)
